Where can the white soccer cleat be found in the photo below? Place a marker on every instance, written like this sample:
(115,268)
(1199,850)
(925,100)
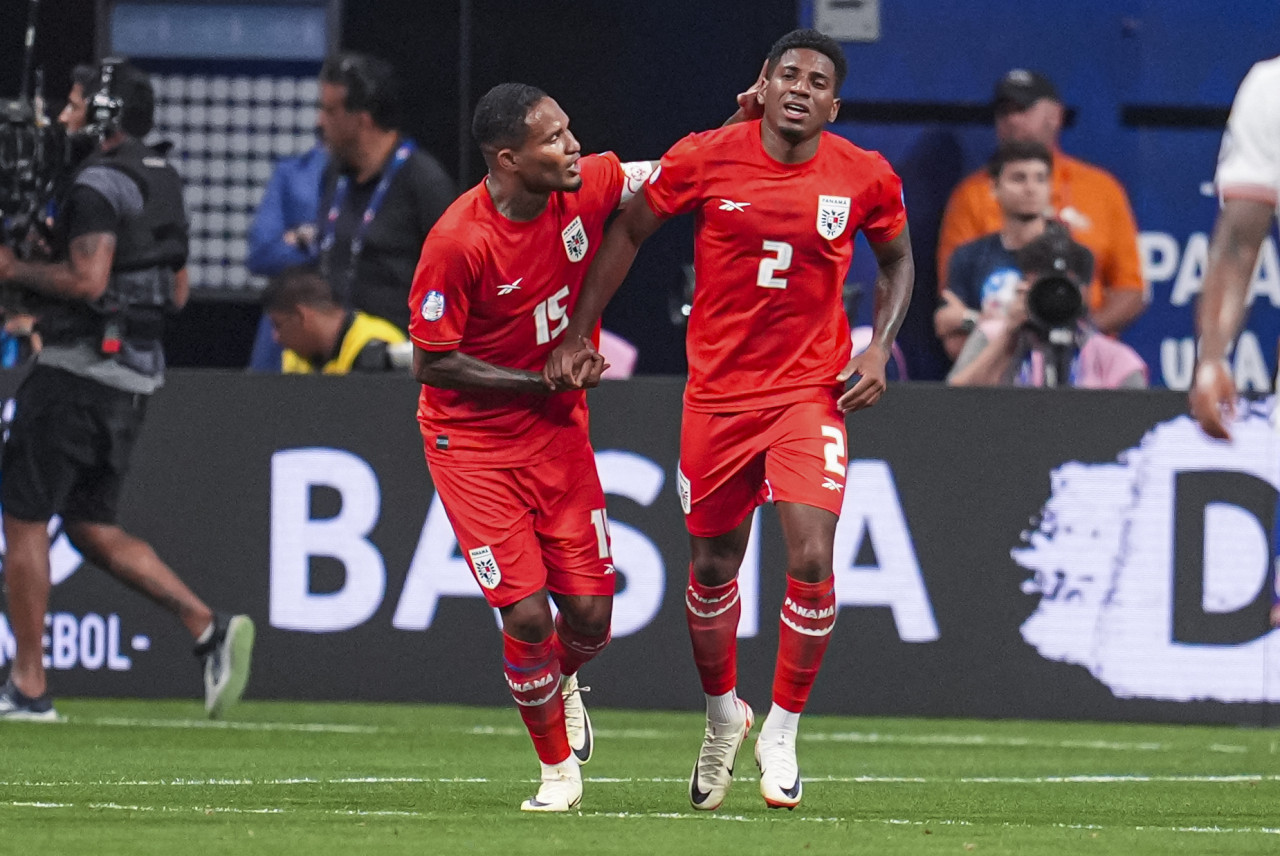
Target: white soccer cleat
(713,773)
(576,722)
(779,773)
(561,788)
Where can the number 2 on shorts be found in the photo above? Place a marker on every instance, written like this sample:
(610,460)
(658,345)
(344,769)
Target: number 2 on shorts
(833,452)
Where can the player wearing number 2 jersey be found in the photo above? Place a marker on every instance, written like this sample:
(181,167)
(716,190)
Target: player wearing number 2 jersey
(778,203)
(510,459)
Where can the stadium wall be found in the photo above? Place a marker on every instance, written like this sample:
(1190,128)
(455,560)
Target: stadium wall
(1002,553)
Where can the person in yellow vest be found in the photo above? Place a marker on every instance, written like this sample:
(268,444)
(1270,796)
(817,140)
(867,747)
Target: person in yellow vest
(321,336)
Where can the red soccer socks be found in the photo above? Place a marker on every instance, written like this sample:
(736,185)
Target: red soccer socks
(712,613)
(573,649)
(808,615)
(533,674)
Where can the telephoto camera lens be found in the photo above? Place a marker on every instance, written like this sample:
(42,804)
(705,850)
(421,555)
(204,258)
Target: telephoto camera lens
(1055,301)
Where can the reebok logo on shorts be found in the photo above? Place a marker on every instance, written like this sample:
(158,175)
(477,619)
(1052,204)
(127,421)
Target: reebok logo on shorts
(486,567)
(682,487)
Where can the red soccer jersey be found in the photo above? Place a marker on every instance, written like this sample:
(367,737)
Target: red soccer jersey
(772,247)
(502,291)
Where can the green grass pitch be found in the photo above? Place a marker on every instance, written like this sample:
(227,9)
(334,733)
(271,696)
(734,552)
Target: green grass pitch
(134,777)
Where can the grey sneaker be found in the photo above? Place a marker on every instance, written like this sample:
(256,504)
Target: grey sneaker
(576,722)
(14,705)
(226,657)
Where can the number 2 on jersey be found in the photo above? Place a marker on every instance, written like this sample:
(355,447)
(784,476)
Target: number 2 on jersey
(551,311)
(769,265)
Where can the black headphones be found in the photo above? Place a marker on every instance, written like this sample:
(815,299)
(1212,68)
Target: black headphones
(104,109)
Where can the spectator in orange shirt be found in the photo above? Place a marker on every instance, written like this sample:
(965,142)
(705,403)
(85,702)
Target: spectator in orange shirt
(1087,199)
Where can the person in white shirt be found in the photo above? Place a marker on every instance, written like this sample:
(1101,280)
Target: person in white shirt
(1248,181)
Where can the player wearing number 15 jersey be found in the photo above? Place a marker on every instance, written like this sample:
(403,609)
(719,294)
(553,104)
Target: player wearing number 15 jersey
(511,459)
(777,203)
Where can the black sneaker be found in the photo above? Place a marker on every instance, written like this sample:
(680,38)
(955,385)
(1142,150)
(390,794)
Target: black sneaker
(14,705)
(226,657)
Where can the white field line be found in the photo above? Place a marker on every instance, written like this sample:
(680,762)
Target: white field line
(702,817)
(226,725)
(864,737)
(861,737)
(1241,778)
(871,737)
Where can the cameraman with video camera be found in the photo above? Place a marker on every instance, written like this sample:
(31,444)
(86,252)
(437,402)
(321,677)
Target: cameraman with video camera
(120,246)
(1045,338)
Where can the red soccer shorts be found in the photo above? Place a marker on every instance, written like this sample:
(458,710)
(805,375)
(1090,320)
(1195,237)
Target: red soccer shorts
(732,462)
(530,527)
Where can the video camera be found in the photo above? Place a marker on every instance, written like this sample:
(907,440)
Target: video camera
(33,156)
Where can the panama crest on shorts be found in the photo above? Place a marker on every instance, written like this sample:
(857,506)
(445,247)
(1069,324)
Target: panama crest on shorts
(486,567)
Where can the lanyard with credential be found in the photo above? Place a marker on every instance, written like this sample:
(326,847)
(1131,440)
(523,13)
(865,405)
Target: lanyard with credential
(375,201)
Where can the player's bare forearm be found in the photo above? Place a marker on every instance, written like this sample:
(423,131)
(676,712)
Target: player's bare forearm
(456,370)
(894,281)
(1237,236)
(82,276)
(1118,310)
(610,266)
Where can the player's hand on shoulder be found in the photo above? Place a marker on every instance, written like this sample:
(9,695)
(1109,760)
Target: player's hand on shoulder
(748,101)
(867,370)
(1213,398)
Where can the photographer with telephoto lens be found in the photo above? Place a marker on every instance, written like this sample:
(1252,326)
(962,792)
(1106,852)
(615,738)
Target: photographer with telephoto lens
(1045,338)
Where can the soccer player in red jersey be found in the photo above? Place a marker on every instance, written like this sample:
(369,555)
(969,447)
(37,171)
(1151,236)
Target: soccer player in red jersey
(778,202)
(510,458)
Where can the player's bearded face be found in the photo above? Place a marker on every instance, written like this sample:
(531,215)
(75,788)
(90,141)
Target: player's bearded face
(548,161)
(800,97)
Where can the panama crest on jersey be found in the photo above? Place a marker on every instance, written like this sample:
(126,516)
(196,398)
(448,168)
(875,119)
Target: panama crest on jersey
(833,216)
(575,240)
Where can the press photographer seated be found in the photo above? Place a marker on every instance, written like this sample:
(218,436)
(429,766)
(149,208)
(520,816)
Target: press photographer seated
(1044,338)
(320,335)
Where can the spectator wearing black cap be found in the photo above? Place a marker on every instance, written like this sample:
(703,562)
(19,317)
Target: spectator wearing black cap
(1089,200)
(1044,338)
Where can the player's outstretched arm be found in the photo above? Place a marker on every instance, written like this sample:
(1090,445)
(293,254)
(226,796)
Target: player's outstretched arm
(1233,251)
(894,280)
(456,370)
(609,268)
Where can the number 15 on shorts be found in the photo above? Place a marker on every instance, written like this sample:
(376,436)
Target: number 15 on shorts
(600,522)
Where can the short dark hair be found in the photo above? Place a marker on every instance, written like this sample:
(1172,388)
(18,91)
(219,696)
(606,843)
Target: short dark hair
(133,88)
(500,120)
(297,286)
(814,41)
(1054,252)
(1018,150)
(372,86)
(83,75)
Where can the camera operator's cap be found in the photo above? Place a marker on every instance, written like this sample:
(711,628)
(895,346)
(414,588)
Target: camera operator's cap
(1020,88)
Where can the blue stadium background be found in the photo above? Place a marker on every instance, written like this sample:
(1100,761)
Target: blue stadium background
(1148,84)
